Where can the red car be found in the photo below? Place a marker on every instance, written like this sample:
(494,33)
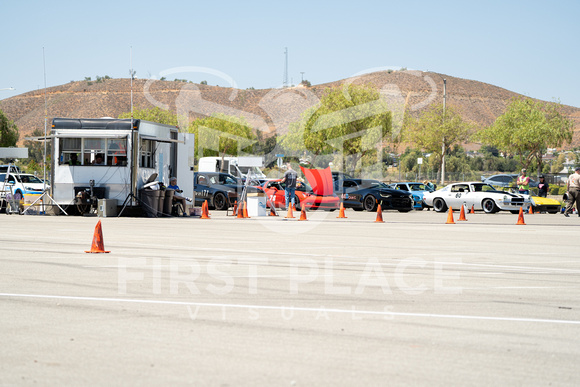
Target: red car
(303,196)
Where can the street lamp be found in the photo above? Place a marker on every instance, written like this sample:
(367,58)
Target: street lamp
(443,142)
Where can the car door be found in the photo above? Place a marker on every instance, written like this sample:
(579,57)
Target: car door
(457,195)
(202,191)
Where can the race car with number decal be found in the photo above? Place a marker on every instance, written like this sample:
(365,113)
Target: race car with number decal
(480,196)
(219,189)
(362,194)
(303,196)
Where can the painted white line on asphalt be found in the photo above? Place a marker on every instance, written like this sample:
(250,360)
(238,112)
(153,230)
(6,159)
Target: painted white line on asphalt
(292,308)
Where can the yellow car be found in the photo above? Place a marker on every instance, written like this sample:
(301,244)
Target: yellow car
(548,205)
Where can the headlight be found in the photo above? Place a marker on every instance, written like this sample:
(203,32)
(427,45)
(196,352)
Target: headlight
(385,195)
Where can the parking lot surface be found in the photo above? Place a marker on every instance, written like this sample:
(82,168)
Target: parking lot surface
(273,301)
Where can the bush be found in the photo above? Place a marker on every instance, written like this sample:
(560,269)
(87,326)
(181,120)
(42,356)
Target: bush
(554,190)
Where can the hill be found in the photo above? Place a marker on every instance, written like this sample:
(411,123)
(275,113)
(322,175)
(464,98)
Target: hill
(267,110)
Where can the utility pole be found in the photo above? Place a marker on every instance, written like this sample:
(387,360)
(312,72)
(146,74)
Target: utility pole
(285,80)
(302,72)
(443,144)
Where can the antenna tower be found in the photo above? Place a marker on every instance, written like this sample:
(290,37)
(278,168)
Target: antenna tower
(285,81)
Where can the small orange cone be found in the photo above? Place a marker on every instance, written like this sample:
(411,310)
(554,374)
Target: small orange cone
(472,209)
(235,210)
(246,209)
(272,211)
(462,214)
(531,211)
(98,244)
(521,217)
(205,211)
(341,214)
(379,215)
(289,214)
(293,207)
(450,217)
(241,211)
(303,214)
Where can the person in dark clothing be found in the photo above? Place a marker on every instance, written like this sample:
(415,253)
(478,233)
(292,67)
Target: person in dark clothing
(543,187)
(289,179)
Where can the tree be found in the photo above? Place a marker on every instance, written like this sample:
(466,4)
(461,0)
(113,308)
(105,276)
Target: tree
(436,130)
(528,128)
(36,152)
(155,114)
(223,134)
(352,120)
(8,131)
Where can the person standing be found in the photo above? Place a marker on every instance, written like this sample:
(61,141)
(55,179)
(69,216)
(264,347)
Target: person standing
(573,188)
(289,180)
(543,187)
(523,183)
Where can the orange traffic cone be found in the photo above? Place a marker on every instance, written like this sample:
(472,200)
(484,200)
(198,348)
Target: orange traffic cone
(205,211)
(379,215)
(472,209)
(235,210)
(521,217)
(341,214)
(246,209)
(241,211)
(272,210)
(290,214)
(303,214)
(462,214)
(450,217)
(531,210)
(98,244)
(293,207)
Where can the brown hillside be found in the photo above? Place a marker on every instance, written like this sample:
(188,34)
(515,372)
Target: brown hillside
(267,110)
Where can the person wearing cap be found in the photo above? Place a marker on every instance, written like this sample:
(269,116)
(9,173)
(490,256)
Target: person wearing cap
(177,197)
(523,183)
(573,188)
(543,187)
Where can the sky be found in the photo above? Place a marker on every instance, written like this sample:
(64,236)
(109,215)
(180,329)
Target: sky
(528,47)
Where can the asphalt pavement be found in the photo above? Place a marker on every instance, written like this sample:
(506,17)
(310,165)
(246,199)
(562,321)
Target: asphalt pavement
(269,301)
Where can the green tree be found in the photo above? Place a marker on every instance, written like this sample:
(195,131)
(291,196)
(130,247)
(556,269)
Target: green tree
(222,134)
(528,128)
(36,152)
(8,131)
(353,120)
(436,130)
(154,114)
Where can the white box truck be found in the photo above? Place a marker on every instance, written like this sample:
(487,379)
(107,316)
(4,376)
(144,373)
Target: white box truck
(238,166)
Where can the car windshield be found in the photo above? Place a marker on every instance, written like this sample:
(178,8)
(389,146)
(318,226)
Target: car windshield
(417,187)
(226,179)
(482,187)
(28,179)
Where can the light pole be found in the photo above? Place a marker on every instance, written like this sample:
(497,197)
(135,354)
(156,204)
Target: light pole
(443,142)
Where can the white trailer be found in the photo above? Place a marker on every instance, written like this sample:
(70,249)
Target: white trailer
(118,155)
(239,166)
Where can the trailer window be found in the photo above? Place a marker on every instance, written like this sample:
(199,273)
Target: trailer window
(147,151)
(93,151)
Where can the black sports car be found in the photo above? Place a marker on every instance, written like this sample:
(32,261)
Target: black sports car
(219,189)
(362,194)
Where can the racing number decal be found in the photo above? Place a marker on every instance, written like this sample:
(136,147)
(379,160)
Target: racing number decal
(204,193)
(458,195)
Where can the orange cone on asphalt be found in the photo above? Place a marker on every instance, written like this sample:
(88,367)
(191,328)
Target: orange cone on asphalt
(246,210)
(98,245)
(450,216)
(272,211)
(341,214)
(531,211)
(379,215)
(521,217)
(205,211)
(303,214)
(289,214)
(241,211)
(472,209)
(293,207)
(462,214)
(235,210)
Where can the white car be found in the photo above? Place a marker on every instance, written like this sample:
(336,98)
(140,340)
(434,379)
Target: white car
(480,195)
(19,184)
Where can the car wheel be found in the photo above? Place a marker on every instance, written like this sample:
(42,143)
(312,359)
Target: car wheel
(220,202)
(370,203)
(489,206)
(297,203)
(439,205)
